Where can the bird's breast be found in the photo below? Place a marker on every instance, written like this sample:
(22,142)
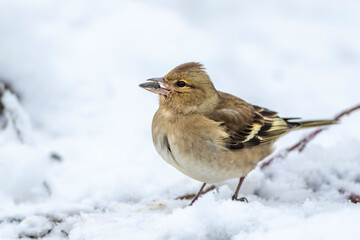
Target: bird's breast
(192,144)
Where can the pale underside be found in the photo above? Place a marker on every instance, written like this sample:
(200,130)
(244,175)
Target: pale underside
(195,146)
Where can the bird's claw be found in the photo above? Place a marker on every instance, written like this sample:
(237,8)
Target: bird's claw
(242,199)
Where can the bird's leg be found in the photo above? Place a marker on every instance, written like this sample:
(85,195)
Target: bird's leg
(235,196)
(198,194)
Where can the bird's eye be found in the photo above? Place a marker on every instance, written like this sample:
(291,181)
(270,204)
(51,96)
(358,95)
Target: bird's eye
(181,84)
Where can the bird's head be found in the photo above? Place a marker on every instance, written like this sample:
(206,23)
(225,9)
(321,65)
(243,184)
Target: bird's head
(186,89)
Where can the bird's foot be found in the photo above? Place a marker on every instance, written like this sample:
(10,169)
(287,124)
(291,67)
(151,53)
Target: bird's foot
(242,199)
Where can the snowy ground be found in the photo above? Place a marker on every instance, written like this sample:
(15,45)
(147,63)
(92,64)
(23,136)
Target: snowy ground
(76,156)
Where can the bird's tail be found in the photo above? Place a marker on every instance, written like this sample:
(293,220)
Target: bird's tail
(310,124)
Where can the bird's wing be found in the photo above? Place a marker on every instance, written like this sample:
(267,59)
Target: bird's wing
(248,125)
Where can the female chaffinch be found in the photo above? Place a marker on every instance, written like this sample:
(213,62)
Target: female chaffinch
(212,136)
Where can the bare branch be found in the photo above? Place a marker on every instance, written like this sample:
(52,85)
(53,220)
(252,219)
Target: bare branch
(191,196)
(300,145)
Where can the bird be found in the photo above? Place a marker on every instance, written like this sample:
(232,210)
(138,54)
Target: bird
(209,135)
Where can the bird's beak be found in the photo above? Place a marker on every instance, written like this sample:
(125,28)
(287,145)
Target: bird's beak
(156,85)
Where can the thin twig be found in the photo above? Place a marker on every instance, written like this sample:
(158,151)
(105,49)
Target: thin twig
(353,197)
(300,145)
(47,188)
(191,196)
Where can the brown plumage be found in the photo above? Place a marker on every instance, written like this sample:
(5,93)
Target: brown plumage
(209,135)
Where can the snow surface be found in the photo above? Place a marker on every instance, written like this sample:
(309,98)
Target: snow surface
(76,155)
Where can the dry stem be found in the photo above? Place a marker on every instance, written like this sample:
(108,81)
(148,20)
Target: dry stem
(300,145)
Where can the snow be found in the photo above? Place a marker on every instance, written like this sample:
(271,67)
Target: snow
(76,155)
(34,226)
